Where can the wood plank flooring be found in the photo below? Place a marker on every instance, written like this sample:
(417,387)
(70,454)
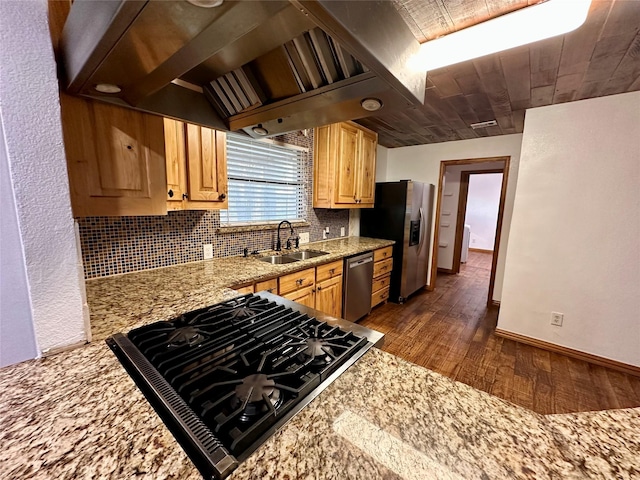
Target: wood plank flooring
(450,331)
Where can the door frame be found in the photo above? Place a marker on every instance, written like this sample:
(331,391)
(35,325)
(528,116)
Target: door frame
(503,194)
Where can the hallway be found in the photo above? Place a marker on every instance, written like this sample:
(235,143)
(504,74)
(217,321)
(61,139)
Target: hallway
(450,331)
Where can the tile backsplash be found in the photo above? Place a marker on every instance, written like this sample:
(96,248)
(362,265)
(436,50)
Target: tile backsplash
(113,245)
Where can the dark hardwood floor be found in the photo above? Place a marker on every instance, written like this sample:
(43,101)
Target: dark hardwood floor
(450,331)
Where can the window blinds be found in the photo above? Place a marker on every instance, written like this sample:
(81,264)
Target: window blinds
(265,182)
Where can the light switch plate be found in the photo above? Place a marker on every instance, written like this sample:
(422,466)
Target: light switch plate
(207,250)
(342,231)
(304,237)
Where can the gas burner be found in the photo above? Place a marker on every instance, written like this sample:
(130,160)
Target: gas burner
(256,395)
(318,350)
(185,336)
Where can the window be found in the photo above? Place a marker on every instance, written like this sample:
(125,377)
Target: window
(265,181)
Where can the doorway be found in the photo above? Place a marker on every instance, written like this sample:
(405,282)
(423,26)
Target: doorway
(451,209)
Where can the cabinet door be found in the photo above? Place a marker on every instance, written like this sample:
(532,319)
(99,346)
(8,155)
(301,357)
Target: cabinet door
(347,165)
(206,167)
(367,169)
(176,162)
(323,175)
(115,158)
(329,296)
(304,296)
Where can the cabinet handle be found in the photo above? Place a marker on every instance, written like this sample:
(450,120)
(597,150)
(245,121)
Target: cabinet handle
(222,196)
(129,147)
(332,271)
(319,288)
(299,281)
(185,196)
(270,290)
(170,193)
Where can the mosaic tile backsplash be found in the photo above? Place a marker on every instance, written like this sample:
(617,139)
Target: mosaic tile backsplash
(113,245)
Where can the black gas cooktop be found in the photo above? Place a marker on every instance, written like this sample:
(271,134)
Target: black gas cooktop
(225,377)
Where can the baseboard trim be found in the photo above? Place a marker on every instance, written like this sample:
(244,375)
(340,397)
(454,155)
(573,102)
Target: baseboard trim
(570,352)
(480,250)
(448,271)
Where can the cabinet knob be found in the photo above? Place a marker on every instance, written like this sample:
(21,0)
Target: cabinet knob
(332,271)
(185,196)
(222,196)
(270,290)
(299,281)
(170,193)
(319,288)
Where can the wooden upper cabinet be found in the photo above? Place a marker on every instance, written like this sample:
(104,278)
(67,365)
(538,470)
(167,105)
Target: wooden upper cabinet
(196,167)
(344,166)
(115,159)
(367,172)
(348,164)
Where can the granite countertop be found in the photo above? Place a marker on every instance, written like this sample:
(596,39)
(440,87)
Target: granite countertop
(122,302)
(79,415)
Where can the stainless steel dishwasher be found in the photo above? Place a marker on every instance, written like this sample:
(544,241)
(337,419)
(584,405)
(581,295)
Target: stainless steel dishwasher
(357,286)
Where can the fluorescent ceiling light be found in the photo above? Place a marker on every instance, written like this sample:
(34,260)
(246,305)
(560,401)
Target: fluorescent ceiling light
(527,25)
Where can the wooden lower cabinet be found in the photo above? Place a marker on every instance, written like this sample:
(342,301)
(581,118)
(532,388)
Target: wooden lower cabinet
(329,296)
(244,290)
(383,264)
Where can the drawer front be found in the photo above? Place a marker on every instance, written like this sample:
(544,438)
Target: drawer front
(244,290)
(270,286)
(380,283)
(330,270)
(382,268)
(296,281)
(382,254)
(379,296)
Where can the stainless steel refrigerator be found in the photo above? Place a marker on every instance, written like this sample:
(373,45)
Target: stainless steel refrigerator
(403,212)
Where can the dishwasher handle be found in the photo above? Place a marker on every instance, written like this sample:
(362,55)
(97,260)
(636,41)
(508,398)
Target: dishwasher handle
(360,262)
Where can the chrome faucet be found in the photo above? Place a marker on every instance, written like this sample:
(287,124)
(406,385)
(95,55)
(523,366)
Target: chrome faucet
(279,243)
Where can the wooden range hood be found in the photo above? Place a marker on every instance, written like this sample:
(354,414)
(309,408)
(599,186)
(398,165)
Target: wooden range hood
(268,67)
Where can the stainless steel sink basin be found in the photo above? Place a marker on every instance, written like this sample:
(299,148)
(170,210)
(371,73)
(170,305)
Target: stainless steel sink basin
(278,259)
(306,254)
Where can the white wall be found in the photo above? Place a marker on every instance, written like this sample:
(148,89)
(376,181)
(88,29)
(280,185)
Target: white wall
(449,209)
(17,338)
(422,163)
(483,203)
(30,116)
(574,245)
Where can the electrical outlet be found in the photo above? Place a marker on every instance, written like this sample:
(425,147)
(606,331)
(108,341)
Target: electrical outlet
(342,232)
(325,233)
(304,237)
(557,318)
(207,250)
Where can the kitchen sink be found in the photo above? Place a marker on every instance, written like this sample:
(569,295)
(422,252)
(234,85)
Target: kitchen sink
(278,259)
(306,254)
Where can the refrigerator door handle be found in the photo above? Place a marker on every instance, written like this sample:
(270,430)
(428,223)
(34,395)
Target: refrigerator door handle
(421,242)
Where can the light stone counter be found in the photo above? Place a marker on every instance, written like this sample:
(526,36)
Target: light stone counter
(78,415)
(122,302)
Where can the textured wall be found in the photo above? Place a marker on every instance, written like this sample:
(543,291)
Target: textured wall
(422,163)
(574,245)
(17,338)
(33,137)
(112,245)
